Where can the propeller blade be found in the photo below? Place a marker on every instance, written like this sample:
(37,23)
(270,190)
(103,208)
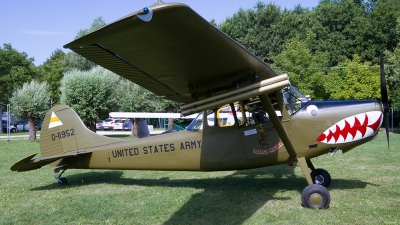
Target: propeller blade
(384,96)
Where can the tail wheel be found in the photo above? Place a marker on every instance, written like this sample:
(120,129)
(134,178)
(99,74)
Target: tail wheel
(323,178)
(315,196)
(63,181)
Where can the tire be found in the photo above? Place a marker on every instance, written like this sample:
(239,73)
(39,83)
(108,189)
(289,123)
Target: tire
(13,130)
(315,196)
(323,179)
(64,180)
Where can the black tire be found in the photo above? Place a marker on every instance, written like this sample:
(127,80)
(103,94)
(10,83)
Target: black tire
(315,196)
(64,180)
(323,179)
(13,130)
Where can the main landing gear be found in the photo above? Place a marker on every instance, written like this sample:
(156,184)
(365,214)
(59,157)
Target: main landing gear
(61,180)
(315,195)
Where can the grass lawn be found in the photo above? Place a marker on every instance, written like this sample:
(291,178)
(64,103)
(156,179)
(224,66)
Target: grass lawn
(365,189)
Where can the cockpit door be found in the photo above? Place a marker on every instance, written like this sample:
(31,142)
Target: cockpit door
(259,136)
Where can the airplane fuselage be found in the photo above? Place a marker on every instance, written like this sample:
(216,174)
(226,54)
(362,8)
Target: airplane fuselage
(215,148)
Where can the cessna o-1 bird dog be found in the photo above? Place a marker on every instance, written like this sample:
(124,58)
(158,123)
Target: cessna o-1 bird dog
(263,121)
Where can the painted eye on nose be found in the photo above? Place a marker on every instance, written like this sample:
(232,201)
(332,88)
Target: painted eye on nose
(312,110)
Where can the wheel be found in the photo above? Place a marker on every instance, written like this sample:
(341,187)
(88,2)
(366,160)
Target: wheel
(63,181)
(324,178)
(13,130)
(315,196)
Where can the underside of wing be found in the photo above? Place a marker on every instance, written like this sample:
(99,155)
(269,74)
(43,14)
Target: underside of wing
(176,54)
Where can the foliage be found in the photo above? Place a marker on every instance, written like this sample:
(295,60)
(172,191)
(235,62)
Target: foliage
(353,80)
(89,93)
(31,102)
(50,71)
(74,61)
(394,77)
(264,30)
(15,69)
(297,60)
(134,98)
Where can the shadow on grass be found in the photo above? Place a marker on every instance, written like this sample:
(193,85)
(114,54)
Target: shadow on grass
(235,197)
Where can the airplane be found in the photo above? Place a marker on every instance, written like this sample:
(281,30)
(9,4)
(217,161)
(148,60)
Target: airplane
(249,116)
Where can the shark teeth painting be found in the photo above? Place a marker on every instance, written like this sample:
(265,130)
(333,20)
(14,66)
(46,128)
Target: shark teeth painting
(352,128)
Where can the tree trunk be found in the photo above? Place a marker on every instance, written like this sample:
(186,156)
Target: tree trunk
(170,109)
(32,129)
(135,128)
(92,127)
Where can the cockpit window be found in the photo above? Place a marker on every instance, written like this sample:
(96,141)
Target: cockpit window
(197,124)
(226,115)
(293,99)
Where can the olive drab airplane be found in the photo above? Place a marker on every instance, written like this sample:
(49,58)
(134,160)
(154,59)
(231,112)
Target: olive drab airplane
(249,116)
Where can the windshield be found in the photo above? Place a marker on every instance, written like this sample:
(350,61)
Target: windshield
(293,99)
(197,124)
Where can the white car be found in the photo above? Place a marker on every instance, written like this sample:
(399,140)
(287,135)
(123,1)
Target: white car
(12,127)
(24,126)
(108,124)
(119,124)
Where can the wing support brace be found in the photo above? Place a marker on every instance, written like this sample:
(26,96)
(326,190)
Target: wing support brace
(278,126)
(304,163)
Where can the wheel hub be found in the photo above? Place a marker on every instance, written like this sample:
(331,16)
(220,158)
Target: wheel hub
(319,180)
(316,199)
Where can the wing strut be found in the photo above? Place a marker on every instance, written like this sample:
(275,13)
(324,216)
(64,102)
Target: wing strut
(278,126)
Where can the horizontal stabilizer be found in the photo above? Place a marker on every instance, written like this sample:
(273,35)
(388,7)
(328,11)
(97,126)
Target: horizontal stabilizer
(28,163)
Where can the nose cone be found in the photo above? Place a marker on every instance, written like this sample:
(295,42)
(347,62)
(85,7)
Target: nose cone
(350,120)
(353,128)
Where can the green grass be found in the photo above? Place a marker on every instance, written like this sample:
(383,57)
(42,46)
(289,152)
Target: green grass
(365,189)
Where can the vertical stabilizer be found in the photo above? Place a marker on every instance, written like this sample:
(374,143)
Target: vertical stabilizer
(64,132)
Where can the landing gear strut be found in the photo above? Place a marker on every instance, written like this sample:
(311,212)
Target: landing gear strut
(315,195)
(62,180)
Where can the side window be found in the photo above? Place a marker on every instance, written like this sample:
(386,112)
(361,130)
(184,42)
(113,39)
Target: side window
(226,115)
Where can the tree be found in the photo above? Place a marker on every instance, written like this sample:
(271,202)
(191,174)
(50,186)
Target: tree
(31,101)
(134,98)
(264,29)
(303,67)
(74,61)
(353,80)
(393,58)
(51,72)
(15,69)
(89,93)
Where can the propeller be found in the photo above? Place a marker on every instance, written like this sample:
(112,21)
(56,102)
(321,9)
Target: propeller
(384,96)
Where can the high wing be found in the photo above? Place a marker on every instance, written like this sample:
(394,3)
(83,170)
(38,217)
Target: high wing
(177,54)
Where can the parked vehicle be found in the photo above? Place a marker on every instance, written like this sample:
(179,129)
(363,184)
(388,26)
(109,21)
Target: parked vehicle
(24,126)
(99,125)
(108,124)
(12,127)
(118,124)
(127,125)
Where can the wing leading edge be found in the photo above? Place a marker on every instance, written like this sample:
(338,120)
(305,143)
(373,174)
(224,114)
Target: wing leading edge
(177,54)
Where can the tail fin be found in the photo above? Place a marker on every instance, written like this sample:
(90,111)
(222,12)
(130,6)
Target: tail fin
(64,132)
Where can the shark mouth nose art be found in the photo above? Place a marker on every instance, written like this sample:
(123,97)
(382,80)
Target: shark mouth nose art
(352,128)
